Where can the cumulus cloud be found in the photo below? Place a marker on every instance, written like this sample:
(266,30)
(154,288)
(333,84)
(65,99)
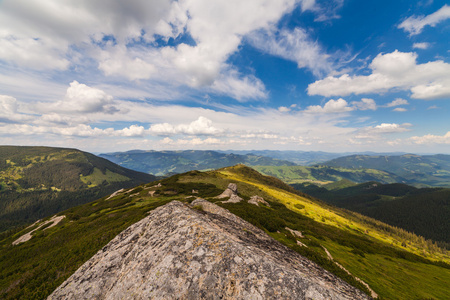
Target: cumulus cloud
(9,110)
(397,70)
(400,109)
(422,46)
(201,126)
(283,109)
(431,139)
(332,106)
(397,102)
(81,98)
(415,24)
(389,128)
(130,39)
(365,104)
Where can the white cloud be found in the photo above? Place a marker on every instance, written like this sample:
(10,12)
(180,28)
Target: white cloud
(117,61)
(422,46)
(397,102)
(389,128)
(202,126)
(365,104)
(294,45)
(8,105)
(240,88)
(81,98)
(9,110)
(414,25)
(435,90)
(431,139)
(31,53)
(396,70)
(332,106)
(283,109)
(400,109)
(121,38)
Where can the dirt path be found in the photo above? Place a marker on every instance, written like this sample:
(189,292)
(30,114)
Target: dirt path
(372,292)
(28,236)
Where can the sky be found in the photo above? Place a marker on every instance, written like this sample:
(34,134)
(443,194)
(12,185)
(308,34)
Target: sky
(309,75)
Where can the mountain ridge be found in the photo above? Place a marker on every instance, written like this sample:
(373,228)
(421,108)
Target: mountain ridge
(181,251)
(36,182)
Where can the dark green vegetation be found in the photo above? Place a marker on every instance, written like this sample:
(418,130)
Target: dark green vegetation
(367,248)
(36,182)
(325,174)
(303,158)
(424,211)
(170,162)
(425,170)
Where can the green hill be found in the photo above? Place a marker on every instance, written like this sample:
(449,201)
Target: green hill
(424,211)
(171,162)
(36,182)
(419,170)
(325,174)
(393,263)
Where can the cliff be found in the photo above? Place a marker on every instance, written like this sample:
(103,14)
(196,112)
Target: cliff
(200,251)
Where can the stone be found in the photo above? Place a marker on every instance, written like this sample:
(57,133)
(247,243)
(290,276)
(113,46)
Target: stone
(258,199)
(232,192)
(178,252)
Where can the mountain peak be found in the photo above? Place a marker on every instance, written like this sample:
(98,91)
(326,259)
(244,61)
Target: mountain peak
(206,252)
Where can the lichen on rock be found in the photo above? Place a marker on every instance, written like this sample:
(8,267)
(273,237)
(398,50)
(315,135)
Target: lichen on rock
(177,252)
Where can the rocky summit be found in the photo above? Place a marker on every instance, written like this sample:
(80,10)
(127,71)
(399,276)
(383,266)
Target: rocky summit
(201,251)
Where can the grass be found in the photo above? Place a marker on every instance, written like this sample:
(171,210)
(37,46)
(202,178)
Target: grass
(98,177)
(35,268)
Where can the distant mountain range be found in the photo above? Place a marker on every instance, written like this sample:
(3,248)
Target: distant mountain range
(304,158)
(420,170)
(36,182)
(170,162)
(325,174)
(417,170)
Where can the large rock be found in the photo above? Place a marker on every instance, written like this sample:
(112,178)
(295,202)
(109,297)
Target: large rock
(204,253)
(230,192)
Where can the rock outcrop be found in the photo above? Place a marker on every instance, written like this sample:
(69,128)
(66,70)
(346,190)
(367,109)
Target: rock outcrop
(258,199)
(231,192)
(178,252)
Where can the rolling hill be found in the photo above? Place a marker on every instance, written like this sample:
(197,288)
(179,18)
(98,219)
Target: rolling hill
(325,174)
(36,182)
(170,162)
(373,256)
(419,170)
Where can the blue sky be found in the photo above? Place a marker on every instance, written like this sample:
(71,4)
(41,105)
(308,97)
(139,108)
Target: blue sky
(336,75)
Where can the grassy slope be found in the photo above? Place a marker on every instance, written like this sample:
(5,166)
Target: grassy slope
(33,269)
(424,211)
(325,175)
(39,181)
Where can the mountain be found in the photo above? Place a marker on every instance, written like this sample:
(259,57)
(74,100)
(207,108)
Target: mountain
(210,254)
(171,162)
(36,182)
(303,158)
(326,174)
(424,211)
(419,170)
(375,257)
